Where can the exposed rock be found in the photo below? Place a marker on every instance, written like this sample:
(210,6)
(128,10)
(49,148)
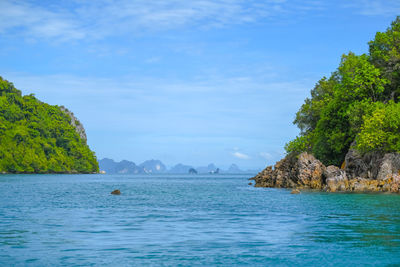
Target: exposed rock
(372,172)
(389,166)
(310,171)
(75,123)
(335,179)
(265,178)
(295,191)
(250,183)
(355,165)
(116,192)
(372,165)
(302,171)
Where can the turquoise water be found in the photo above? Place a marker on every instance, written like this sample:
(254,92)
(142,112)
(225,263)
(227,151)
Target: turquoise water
(48,220)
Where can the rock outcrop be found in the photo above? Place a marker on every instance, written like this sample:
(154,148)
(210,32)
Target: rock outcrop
(373,172)
(302,171)
(116,192)
(75,123)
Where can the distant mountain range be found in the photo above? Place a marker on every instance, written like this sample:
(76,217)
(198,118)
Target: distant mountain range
(156,166)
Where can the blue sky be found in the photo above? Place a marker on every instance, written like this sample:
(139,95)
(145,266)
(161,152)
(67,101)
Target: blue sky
(182,81)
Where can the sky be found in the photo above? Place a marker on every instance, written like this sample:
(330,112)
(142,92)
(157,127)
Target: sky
(193,82)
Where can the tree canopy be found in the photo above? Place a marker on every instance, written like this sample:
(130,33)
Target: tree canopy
(36,137)
(358,105)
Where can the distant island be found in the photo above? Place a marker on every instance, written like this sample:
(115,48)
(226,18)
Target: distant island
(110,166)
(36,137)
(350,127)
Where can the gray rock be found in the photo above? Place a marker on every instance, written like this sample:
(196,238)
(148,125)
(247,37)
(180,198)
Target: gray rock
(335,179)
(303,171)
(355,165)
(75,123)
(389,166)
(372,165)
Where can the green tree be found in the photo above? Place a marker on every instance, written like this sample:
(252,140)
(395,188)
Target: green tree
(358,102)
(38,138)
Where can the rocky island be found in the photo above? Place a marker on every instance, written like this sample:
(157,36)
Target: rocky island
(350,127)
(36,137)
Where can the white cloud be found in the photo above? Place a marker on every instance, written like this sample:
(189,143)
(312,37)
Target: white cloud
(98,19)
(206,107)
(78,20)
(240,155)
(37,22)
(265,155)
(152,60)
(375,7)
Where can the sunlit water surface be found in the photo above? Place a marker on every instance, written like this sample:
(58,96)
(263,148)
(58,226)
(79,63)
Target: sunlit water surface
(50,220)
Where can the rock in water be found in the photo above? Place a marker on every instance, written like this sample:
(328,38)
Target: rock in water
(295,191)
(372,172)
(116,192)
(192,171)
(302,171)
(336,179)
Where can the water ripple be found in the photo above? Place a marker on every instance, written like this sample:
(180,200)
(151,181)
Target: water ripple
(48,220)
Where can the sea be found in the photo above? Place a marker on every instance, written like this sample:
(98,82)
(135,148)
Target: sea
(190,220)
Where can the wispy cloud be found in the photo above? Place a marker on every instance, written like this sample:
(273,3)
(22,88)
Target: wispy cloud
(265,155)
(98,19)
(375,7)
(205,104)
(152,60)
(240,155)
(93,20)
(38,22)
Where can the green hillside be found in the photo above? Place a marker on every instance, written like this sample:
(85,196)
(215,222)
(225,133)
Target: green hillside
(39,138)
(358,105)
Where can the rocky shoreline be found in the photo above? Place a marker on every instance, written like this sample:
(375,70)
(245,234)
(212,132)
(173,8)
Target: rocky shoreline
(372,172)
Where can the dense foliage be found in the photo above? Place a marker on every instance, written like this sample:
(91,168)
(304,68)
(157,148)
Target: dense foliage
(357,106)
(38,138)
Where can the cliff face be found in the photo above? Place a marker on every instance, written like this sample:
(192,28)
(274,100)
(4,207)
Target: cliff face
(373,172)
(75,123)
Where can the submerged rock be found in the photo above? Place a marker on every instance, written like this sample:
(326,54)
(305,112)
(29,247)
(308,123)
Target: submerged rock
(295,191)
(116,192)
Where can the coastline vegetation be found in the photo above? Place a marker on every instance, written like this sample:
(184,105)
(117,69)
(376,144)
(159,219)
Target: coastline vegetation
(36,137)
(357,106)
